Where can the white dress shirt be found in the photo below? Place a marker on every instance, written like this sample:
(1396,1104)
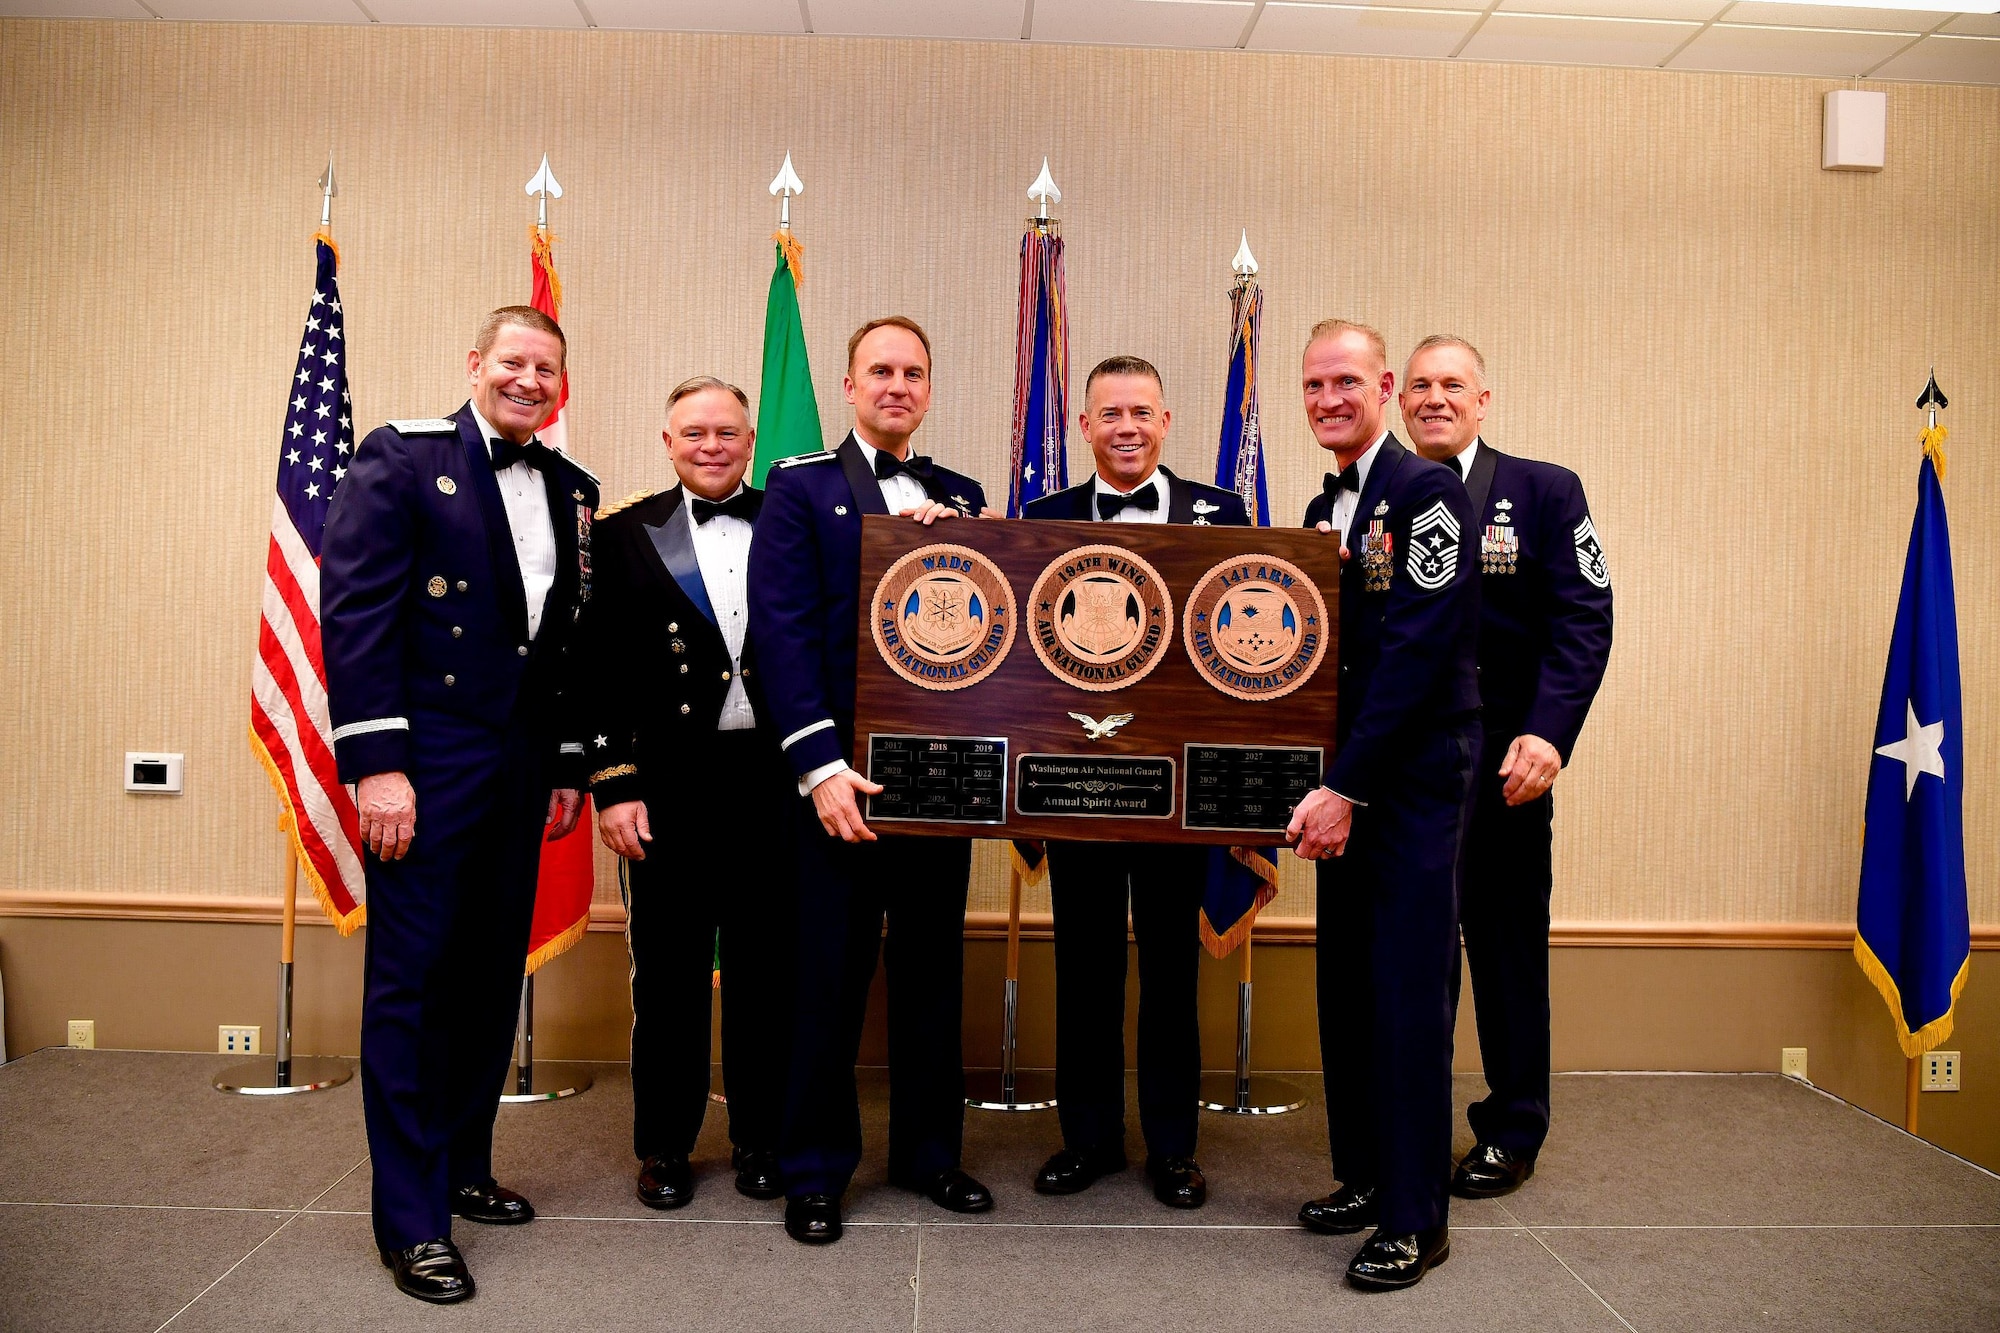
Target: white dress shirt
(1344,506)
(722,551)
(901,491)
(526,501)
(1157,514)
(1464,459)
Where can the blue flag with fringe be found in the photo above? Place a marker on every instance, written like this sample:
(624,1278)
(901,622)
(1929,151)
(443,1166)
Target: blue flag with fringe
(1241,880)
(1041,374)
(1913,936)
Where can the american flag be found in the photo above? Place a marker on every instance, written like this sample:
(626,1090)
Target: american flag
(289,726)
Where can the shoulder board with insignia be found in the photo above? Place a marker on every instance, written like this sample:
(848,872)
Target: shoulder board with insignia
(822,456)
(425,426)
(616,505)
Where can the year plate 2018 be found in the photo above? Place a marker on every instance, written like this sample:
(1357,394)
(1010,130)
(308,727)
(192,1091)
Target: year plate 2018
(938,779)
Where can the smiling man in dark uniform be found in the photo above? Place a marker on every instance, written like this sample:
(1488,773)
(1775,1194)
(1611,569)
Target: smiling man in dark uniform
(804,598)
(456,558)
(1092,884)
(1544,639)
(686,774)
(1386,825)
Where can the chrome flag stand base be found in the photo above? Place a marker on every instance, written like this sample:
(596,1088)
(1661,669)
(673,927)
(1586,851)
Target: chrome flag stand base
(283,1073)
(550,1083)
(1244,1093)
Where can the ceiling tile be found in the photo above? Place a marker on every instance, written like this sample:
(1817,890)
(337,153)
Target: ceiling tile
(260,11)
(698,15)
(1575,41)
(1360,31)
(1811,51)
(479,13)
(1983,25)
(1698,10)
(1830,16)
(1943,59)
(1183,23)
(982,20)
(72,9)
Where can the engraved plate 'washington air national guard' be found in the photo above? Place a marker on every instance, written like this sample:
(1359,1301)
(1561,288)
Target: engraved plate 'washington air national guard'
(944,617)
(1102,618)
(1255,627)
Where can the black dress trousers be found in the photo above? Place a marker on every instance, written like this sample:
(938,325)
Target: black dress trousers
(846,892)
(715,862)
(1090,885)
(1504,884)
(1388,950)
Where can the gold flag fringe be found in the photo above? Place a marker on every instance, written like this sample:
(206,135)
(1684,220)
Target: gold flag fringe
(1930,1034)
(543,244)
(1933,438)
(557,945)
(346,924)
(1221,945)
(794,256)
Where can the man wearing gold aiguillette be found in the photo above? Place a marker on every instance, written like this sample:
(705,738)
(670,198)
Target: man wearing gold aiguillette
(1091,884)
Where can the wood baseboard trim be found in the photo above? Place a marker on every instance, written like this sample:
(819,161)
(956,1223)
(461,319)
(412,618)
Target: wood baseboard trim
(981,925)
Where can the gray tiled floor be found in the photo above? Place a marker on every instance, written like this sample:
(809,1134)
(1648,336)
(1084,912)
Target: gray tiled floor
(133,1197)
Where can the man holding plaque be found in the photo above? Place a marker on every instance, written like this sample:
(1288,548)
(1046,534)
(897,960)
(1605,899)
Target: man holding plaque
(1544,639)
(685,767)
(804,593)
(1386,825)
(1091,884)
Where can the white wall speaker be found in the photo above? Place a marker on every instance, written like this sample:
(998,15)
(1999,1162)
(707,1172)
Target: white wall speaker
(1856,130)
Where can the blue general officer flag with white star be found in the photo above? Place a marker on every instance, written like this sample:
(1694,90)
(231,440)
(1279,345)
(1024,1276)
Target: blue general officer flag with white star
(1913,935)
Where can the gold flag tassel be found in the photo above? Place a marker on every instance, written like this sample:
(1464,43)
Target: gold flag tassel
(1933,438)
(543,242)
(794,255)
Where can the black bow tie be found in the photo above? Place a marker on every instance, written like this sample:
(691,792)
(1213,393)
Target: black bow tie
(740,505)
(1347,479)
(1457,464)
(888,465)
(1146,497)
(506,453)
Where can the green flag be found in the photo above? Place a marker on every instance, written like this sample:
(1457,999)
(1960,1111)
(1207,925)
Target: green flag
(787,413)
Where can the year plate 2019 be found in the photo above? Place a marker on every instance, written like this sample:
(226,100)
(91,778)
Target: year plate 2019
(938,779)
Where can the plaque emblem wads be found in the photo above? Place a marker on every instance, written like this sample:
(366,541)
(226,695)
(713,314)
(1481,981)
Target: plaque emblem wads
(1100,617)
(943,617)
(1256,627)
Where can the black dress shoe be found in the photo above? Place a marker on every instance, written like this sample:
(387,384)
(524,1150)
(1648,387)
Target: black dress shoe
(491,1204)
(666,1182)
(1490,1171)
(1070,1172)
(1385,1262)
(757,1173)
(1347,1210)
(813,1219)
(1178,1181)
(952,1190)
(431,1270)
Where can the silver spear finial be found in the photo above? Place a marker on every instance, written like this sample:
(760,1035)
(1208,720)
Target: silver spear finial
(544,185)
(786,184)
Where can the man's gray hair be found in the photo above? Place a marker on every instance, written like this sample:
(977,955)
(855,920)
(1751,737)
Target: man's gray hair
(1447,340)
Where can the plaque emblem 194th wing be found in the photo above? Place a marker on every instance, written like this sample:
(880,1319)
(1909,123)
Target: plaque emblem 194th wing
(1256,627)
(943,617)
(1100,618)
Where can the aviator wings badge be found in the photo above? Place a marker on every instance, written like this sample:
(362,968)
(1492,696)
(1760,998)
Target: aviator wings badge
(1097,731)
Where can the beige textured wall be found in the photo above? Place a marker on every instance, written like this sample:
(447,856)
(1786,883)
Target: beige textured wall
(1673,299)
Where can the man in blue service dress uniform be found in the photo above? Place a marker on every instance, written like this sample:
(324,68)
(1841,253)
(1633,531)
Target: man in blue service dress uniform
(1091,884)
(804,593)
(686,774)
(456,556)
(1385,826)
(1544,639)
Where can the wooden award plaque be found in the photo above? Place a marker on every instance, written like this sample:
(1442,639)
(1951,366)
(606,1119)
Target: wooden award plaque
(1094,681)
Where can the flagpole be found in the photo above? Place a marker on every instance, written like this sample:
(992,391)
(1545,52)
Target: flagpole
(282,1073)
(1008,1088)
(526,1085)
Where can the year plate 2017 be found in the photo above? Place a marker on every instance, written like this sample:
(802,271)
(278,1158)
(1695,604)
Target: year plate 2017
(938,779)
(1248,788)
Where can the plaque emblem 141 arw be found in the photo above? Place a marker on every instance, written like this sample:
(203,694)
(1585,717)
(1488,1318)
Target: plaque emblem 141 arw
(1256,627)
(943,617)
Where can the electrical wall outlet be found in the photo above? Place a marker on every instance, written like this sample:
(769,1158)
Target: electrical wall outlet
(1940,1072)
(83,1033)
(239,1039)
(1792,1062)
